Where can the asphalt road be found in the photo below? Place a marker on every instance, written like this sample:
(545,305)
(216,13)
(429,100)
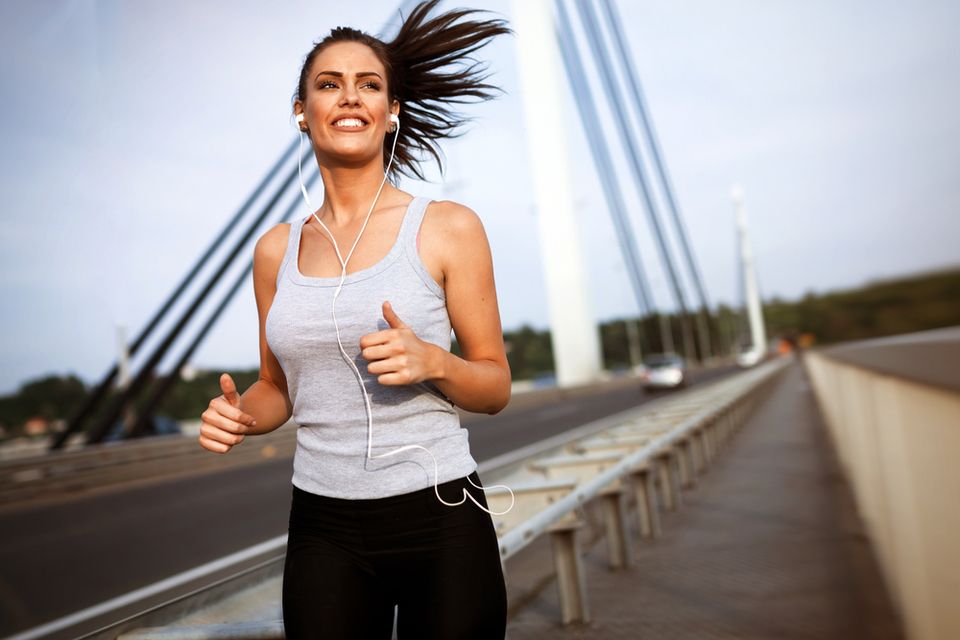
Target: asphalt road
(60,558)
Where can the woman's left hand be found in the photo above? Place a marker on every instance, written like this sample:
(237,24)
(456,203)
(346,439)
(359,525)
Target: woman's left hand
(397,356)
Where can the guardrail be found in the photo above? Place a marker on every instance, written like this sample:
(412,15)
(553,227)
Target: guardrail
(668,449)
(643,458)
(99,466)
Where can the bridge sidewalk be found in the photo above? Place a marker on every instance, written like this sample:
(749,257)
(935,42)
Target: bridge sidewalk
(768,545)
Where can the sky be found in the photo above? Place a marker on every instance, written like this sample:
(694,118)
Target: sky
(132,132)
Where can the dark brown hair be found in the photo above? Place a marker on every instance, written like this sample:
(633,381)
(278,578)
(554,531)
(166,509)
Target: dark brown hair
(420,75)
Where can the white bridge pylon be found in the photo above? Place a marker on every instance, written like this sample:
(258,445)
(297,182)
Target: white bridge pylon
(574,334)
(758,330)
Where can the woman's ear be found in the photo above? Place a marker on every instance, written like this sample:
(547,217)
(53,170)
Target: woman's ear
(299,115)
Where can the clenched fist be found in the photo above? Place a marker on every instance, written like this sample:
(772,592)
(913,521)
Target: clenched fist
(223,424)
(396,355)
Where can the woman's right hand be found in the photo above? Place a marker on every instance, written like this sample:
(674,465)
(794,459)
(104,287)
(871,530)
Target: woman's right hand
(223,424)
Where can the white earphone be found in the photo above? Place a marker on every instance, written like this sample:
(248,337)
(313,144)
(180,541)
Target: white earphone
(394,119)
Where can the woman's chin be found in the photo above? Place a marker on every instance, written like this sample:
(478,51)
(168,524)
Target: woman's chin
(350,155)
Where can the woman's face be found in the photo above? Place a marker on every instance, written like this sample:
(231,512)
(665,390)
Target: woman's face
(346,106)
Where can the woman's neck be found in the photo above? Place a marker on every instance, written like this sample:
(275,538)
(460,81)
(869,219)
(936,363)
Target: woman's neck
(349,192)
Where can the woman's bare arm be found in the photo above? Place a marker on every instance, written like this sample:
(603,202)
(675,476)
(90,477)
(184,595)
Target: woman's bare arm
(267,399)
(480,380)
(265,405)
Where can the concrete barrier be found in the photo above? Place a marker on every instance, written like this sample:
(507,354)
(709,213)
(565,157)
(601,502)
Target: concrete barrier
(892,408)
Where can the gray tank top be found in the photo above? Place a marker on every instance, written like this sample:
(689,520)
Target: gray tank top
(328,405)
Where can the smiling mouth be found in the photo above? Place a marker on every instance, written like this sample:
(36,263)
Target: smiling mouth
(349,124)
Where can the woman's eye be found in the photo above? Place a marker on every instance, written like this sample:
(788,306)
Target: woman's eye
(330,83)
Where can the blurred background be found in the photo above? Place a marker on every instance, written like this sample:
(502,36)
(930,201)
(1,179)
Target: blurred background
(133,133)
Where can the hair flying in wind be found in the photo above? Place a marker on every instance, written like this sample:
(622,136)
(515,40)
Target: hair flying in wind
(429,68)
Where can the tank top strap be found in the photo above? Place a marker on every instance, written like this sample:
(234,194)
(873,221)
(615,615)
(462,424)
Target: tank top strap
(411,224)
(408,240)
(293,245)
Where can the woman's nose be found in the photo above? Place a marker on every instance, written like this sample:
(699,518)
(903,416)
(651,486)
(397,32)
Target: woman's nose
(350,96)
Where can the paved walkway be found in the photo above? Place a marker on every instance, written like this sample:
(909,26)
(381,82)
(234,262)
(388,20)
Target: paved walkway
(767,545)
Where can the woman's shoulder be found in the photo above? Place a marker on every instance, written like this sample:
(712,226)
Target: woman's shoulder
(272,245)
(454,238)
(454,221)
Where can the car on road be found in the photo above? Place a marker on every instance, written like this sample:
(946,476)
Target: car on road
(663,371)
(749,357)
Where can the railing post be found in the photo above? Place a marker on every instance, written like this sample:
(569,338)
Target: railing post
(669,479)
(708,437)
(648,512)
(685,460)
(615,523)
(571,582)
(695,452)
(725,425)
(703,448)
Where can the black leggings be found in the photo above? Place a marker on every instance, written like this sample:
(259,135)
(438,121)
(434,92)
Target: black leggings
(350,561)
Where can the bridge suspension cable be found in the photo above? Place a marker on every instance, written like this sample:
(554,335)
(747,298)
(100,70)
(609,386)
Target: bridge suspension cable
(590,119)
(633,81)
(144,375)
(616,101)
(79,419)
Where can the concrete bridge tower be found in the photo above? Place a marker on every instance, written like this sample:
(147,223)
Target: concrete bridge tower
(751,293)
(574,334)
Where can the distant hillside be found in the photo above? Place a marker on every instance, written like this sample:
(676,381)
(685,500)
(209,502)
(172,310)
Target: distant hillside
(881,308)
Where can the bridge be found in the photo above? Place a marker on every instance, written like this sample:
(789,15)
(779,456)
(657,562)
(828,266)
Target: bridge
(807,495)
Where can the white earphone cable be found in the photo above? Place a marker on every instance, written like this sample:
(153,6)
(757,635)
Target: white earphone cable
(346,357)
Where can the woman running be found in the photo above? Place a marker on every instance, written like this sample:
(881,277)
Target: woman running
(356,302)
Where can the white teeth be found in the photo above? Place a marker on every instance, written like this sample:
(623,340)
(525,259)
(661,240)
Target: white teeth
(349,122)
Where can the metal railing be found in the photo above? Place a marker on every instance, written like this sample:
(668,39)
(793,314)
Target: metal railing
(667,448)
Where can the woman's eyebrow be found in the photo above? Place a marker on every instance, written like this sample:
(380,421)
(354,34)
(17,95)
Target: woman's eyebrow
(339,74)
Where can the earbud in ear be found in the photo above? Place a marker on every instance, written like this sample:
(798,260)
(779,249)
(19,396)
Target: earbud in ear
(394,122)
(299,117)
